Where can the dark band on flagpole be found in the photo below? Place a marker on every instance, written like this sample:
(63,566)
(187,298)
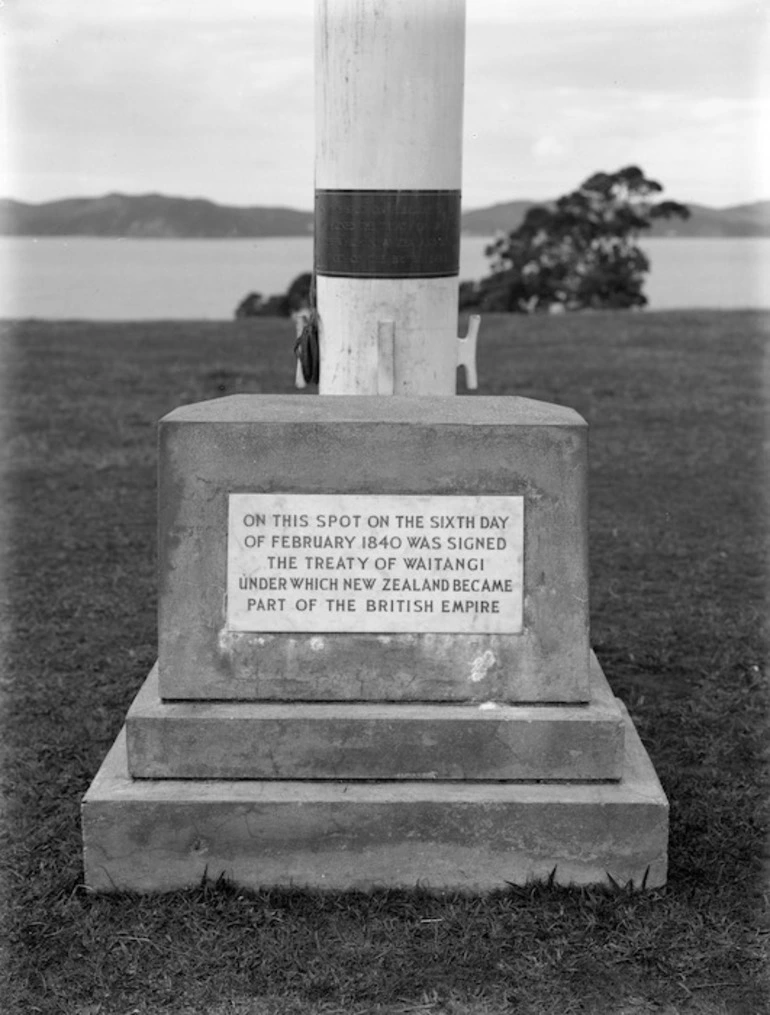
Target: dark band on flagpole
(387,233)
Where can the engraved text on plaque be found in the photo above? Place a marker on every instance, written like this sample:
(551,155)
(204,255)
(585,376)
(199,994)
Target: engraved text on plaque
(375,563)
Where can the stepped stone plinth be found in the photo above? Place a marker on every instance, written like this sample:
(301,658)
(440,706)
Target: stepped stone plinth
(162,834)
(374,662)
(368,740)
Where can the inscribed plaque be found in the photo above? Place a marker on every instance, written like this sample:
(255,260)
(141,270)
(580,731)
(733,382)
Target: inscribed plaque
(371,563)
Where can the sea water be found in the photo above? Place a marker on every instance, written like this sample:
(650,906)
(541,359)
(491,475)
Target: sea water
(132,279)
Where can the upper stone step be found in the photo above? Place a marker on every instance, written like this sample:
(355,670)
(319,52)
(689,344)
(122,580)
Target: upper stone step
(300,740)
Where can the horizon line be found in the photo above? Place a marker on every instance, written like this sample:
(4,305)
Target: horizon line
(309,211)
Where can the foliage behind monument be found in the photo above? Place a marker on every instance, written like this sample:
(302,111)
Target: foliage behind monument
(580,253)
(296,297)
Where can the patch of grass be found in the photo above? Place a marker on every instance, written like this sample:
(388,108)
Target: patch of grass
(678,569)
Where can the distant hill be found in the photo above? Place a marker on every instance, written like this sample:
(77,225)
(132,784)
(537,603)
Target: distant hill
(149,216)
(496,218)
(155,216)
(759,211)
(740,220)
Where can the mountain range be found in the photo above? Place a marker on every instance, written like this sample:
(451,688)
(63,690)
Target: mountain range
(156,216)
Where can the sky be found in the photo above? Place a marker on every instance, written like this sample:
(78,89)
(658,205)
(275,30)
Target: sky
(214,98)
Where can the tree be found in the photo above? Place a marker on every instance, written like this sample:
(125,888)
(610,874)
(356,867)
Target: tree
(296,297)
(250,306)
(298,294)
(579,253)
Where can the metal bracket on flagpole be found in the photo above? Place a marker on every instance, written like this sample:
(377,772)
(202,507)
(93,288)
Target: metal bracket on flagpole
(466,352)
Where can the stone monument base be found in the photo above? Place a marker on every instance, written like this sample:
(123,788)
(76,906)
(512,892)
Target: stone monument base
(374,663)
(151,835)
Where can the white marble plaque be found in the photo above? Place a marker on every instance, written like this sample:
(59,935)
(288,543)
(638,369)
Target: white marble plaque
(375,563)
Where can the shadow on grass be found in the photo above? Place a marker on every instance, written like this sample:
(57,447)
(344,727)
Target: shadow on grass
(678,558)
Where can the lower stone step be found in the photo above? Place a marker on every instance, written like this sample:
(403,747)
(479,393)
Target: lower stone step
(338,740)
(159,835)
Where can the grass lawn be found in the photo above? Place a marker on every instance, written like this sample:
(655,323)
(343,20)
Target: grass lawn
(678,532)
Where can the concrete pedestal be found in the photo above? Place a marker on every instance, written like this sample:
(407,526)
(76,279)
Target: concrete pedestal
(372,447)
(163,834)
(464,744)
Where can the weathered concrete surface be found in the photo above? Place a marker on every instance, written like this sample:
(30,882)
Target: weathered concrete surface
(161,835)
(342,740)
(369,445)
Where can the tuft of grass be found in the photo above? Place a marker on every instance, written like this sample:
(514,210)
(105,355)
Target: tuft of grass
(679,543)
